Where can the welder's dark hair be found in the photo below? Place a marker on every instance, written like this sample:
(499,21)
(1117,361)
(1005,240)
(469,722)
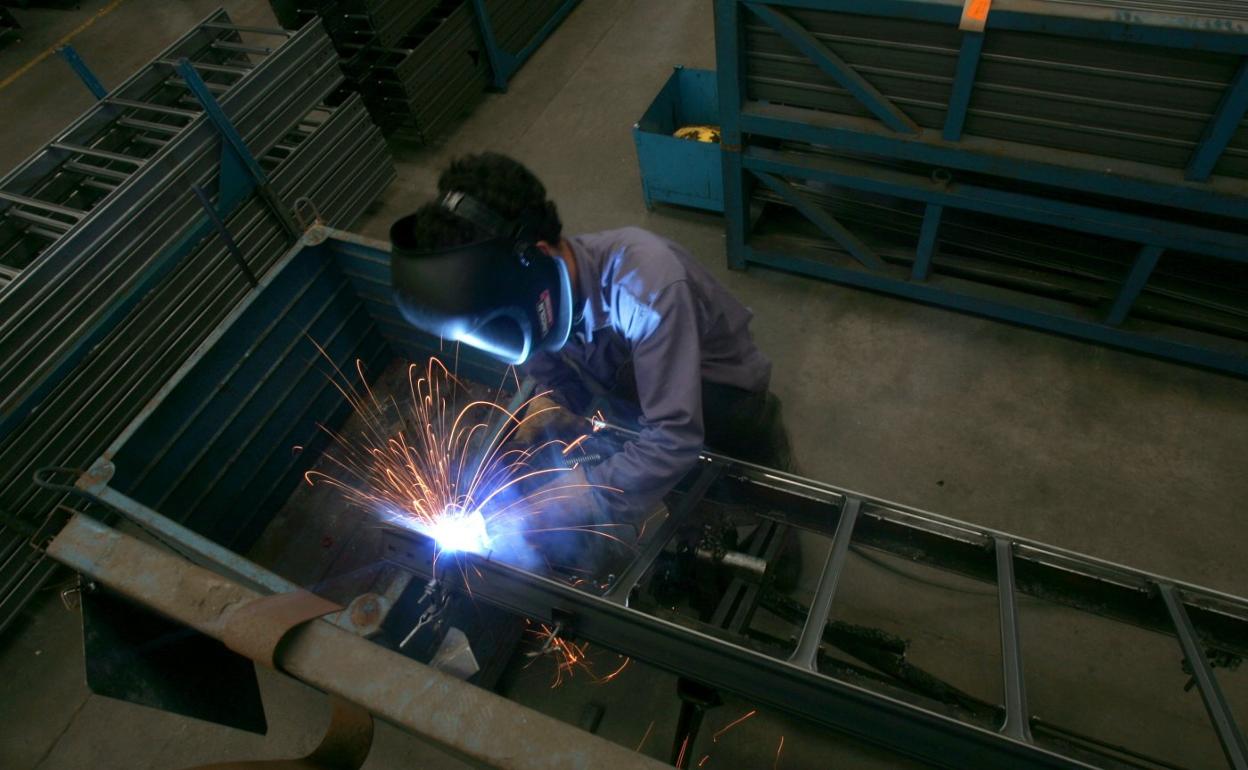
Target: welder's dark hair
(501,183)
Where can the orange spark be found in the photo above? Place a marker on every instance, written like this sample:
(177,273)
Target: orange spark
(703,760)
(779,749)
(732,724)
(645,737)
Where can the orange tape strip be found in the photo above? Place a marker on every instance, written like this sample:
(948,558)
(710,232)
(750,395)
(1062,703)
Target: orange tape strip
(975,15)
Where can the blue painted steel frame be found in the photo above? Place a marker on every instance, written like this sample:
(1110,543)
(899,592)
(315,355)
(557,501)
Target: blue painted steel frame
(503,64)
(947,148)
(83,72)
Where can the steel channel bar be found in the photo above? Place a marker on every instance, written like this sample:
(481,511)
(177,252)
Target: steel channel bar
(93,115)
(1229,735)
(229,27)
(255,109)
(224,69)
(807,651)
(183,313)
(39,220)
(472,723)
(149,125)
(287,179)
(22,200)
(93,170)
(105,154)
(204,134)
(135,104)
(1017,715)
(391,172)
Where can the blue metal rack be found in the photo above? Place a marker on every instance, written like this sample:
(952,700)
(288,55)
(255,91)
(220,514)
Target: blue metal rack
(1112,131)
(513,31)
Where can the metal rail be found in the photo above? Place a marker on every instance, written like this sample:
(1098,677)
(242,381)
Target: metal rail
(796,683)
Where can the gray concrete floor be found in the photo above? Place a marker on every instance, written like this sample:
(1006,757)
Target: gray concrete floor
(1122,457)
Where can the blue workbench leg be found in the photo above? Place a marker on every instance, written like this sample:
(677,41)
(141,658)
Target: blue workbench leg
(730,64)
(963,84)
(1222,127)
(927,242)
(1131,288)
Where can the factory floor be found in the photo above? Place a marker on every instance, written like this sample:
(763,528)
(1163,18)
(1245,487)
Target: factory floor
(1132,460)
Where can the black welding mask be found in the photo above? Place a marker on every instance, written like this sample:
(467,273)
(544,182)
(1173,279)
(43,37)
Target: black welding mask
(501,295)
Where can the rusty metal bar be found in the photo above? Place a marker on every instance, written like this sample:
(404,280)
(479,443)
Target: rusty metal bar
(468,722)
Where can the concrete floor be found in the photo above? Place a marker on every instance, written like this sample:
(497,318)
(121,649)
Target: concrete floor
(1129,459)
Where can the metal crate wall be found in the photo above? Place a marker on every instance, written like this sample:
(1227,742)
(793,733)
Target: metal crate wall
(93,339)
(1068,165)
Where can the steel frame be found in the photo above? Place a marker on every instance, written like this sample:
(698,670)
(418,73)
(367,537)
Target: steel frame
(888,132)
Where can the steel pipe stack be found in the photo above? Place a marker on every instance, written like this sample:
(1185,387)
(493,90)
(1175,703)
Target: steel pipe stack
(104,291)
(418,65)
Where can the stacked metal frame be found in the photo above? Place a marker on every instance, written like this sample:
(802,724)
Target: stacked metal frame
(434,74)
(513,29)
(210,461)
(1081,167)
(108,301)
(419,65)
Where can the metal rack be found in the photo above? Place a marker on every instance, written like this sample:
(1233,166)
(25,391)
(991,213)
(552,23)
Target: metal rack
(108,310)
(418,65)
(431,76)
(1054,165)
(513,30)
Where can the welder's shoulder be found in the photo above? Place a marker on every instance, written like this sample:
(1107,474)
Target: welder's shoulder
(648,262)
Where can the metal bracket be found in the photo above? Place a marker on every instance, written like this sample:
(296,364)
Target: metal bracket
(236,157)
(83,72)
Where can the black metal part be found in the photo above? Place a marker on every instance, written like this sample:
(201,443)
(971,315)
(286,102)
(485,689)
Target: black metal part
(695,699)
(139,657)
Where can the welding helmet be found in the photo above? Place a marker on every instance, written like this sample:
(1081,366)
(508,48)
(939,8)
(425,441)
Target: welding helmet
(501,295)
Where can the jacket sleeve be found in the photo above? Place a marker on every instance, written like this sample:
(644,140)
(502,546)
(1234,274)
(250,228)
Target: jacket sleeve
(667,359)
(556,375)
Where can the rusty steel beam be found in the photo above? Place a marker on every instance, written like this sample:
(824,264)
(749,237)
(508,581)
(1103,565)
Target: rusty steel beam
(466,721)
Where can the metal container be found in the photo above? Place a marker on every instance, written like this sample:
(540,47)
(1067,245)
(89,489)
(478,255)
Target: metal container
(675,170)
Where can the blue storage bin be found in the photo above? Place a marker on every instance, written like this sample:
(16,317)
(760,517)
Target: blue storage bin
(674,170)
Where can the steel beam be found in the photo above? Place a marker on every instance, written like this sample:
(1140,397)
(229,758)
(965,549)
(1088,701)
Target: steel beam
(466,721)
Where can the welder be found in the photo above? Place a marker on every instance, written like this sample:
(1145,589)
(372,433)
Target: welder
(624,312)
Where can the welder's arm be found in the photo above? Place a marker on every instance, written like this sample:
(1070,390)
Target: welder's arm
(667,361)
(557,376)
